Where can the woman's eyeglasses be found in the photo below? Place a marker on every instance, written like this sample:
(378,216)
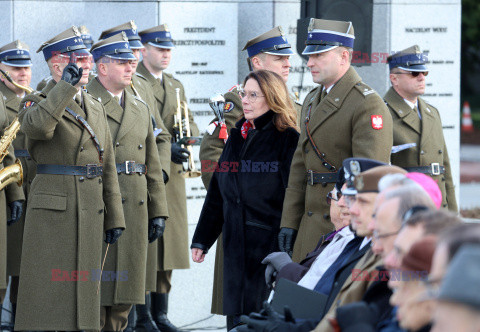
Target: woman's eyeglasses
(330,197)
(251,96)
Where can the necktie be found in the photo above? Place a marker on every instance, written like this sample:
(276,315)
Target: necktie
(324,93)
(415,108)
(78,100)
(117,99)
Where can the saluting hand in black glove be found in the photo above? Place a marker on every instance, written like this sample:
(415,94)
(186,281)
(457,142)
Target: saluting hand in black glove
(71,73)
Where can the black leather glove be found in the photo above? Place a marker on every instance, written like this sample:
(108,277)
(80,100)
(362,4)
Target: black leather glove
(269,320)
(72,74)
(179,154)
(357,316)
(16,209)
(275,262)
(112,235)
(286,239)
(165,177)
(156,227)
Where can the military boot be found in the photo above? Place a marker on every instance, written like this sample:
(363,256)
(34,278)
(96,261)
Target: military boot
(159,312)
(145,322)
(132,320)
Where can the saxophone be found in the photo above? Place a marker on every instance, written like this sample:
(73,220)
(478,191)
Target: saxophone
(12,173)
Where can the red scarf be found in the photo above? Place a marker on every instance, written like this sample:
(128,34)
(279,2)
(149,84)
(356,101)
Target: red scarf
(246,126)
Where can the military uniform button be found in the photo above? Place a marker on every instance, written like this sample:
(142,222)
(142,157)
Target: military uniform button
(310,213)
(142,202)
(117,144)
(140,147)
(81,179)
(440,151)
(325,164)
(179,172)
(326,216)
(422,152)
(306,150)
(100,211)
(323,154)
(30,181)
(100,180)
(443,178)
(82,148)
(123,200)
(324,184)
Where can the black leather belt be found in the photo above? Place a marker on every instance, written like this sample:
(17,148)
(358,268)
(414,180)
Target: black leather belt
(314,177)
(90,171)
(433,169)
(22,153)
(131,167)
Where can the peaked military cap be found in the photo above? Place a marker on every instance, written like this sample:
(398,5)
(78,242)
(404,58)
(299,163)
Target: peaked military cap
(15,54)
(86,36)
(325,35)
(270,42)
(367,181)
(130,29)
(353,167)
(158,36)
(115,47)
(461,283)
(410,59)
(68,42)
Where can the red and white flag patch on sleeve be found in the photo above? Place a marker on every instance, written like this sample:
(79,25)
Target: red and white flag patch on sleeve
(377,122)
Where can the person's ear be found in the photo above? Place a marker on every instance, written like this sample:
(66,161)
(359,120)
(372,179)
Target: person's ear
(256,63)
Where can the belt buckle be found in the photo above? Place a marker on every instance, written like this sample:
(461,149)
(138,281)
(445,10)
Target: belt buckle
(92,171)
(435,168)
(130,167)
(310,177)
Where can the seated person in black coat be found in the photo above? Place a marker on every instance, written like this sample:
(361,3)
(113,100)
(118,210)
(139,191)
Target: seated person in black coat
(245,197)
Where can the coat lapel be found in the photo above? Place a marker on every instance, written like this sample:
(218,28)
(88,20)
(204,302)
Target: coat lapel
(333,100)
(11,99)
(170,96)
(403,111)
(157,87)
(428,120)
(129,116)
(91,115)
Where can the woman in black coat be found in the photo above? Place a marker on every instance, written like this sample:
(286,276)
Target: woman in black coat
(245,197)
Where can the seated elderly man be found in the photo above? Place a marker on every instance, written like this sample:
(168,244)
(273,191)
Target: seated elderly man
(458,307)
(309,272)
(337,282)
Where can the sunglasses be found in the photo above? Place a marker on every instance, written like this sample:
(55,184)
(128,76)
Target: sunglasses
(330,197)
(414,73)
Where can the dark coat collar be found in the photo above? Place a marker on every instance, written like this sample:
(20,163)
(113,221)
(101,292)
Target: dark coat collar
(260,122)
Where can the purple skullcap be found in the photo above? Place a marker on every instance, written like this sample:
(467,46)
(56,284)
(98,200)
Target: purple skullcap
(430,186)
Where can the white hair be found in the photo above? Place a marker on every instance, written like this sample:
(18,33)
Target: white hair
(393,180)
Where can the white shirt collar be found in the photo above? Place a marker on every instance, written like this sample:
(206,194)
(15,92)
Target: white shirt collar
(365,241)
(158,77)
(119,95)
(409,103)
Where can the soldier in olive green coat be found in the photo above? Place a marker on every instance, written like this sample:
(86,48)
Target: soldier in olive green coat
(19,69)
(173,247)
(142,89)
(419,145)
(74,198)
(140,177)
(345,118)
(269,51)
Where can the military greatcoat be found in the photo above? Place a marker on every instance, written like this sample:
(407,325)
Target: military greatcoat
(345,123)
(9,194)
(173,249)
(427,134)
(15,231)
(142,89)
(67,215)
(143,195)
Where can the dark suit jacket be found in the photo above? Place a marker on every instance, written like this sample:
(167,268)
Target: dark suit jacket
(295,271)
